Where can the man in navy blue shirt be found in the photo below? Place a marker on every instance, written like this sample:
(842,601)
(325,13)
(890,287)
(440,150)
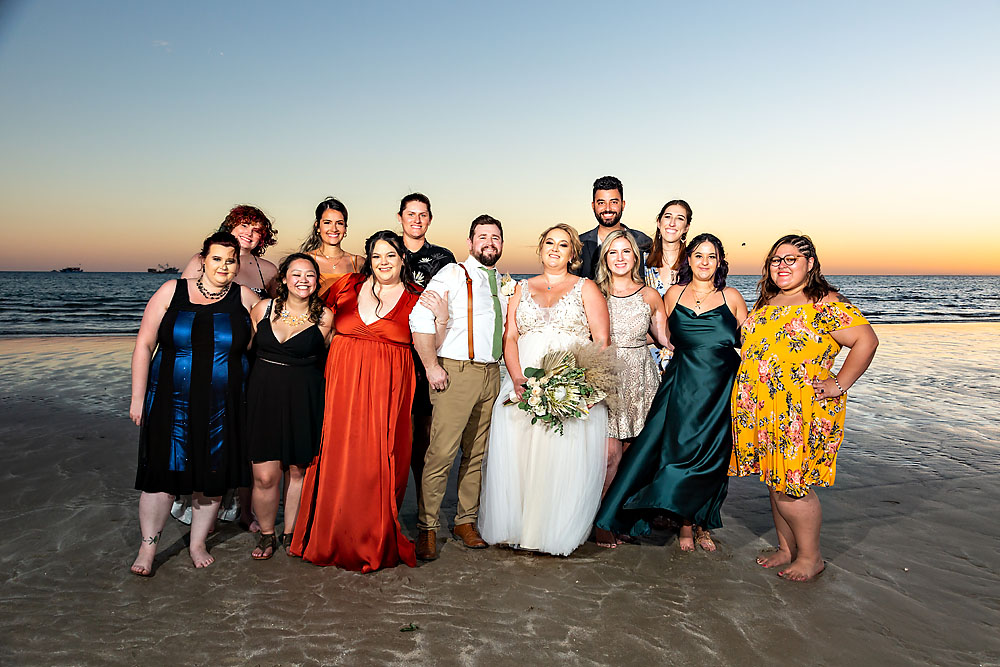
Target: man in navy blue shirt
(608,205)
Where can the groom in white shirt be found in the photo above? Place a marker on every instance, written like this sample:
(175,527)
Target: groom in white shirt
(464,377)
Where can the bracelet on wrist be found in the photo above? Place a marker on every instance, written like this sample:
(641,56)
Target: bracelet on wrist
(836,382)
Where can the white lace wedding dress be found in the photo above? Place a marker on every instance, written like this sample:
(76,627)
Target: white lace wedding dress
(541,490)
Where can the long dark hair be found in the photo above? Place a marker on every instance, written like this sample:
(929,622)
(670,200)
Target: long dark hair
(313,241)
(656,252)
(686,274)
(315,303)
(406,273)
(816,287)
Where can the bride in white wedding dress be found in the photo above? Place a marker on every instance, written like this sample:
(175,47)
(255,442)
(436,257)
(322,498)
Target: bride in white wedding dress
(541,490)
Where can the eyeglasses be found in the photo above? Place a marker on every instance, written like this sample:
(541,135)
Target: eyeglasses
(789,260)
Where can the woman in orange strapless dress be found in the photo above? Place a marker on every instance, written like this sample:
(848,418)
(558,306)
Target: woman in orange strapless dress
(329,230)
(349,513)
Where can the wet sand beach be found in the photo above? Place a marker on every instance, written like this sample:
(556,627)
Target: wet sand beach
(911,537)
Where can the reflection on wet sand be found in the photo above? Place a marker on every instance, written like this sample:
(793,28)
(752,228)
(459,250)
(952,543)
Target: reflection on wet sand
(911,537)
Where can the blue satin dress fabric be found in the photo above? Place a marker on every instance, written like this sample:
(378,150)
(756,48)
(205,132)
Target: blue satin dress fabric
(191,438)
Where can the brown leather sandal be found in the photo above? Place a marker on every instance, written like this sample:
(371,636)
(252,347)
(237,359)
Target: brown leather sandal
(265,541)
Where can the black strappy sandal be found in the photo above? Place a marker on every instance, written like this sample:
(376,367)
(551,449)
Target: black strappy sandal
(265,542)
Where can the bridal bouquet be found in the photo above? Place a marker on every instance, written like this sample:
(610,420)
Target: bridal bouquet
(567,384)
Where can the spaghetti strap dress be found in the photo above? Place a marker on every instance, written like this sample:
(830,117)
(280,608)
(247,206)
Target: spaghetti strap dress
(261,292)
(192,435)
(680,460)
(639,376)
(285,396)
(326,280)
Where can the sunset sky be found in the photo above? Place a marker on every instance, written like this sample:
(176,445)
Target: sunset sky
(127,130)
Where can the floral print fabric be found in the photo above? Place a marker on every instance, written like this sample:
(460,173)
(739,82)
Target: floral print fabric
(661,282)
(780,430)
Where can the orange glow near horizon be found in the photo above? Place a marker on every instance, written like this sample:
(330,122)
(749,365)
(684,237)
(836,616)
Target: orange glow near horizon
(35,246)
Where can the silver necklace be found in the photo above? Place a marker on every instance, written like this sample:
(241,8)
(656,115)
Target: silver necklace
(212,295)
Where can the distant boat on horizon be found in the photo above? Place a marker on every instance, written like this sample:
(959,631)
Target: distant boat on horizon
(163,268)
(68,269)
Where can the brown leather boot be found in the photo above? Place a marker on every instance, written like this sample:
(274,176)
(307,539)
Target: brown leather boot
(427,545)
(470,536)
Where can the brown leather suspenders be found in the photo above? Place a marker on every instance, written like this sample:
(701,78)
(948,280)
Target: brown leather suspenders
(468,288)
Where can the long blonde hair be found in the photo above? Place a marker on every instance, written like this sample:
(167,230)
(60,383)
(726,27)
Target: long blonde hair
(603,276)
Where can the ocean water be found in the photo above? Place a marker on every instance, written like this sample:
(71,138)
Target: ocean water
(71,304)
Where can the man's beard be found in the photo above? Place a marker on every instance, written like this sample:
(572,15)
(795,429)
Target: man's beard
(614,221)
(487,260)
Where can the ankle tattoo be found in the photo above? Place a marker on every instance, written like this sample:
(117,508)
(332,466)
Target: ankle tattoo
(152,539)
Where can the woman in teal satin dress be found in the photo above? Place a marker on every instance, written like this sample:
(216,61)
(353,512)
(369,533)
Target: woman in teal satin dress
(679,462)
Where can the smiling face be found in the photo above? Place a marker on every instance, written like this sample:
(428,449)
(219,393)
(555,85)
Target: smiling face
(387,264)
(331,227)
(301,279)
(415,220)
(486,244)
(673,223)
(221,265)
(620,257)
(704,261)
(789,278)
(608,206)
(249,235)
(557,249)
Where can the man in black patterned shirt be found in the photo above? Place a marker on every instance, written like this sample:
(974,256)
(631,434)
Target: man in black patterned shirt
(424,259)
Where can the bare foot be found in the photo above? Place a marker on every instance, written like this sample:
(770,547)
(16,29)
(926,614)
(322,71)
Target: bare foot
(605,538)
(143,565)
(803,570)
(200,556)
(777,558)
(703,539)
(249,524)
(685,538)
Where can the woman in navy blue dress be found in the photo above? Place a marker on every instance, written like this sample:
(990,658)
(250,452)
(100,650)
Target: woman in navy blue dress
(188,398)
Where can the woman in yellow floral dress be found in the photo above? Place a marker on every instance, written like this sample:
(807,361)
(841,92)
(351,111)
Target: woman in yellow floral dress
(787,406)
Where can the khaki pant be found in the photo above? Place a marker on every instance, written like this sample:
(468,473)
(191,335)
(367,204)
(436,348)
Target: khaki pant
(461,417)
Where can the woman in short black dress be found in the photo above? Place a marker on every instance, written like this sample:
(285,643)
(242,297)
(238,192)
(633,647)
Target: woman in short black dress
(188,399)
(285,394)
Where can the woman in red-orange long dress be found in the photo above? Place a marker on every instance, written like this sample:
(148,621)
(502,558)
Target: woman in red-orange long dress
(349,513)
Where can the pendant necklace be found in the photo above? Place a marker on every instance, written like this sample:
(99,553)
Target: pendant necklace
(548,285)
(212,295)
(697,301)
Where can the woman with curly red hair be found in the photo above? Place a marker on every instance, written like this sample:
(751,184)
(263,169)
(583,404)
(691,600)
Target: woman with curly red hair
(255,234)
